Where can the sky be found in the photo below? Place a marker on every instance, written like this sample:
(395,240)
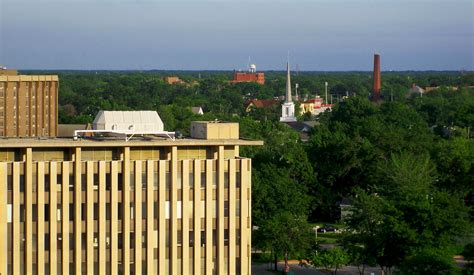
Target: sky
(329,35)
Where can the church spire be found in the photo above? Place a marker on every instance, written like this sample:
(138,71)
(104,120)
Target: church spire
(288,107)
(288,83)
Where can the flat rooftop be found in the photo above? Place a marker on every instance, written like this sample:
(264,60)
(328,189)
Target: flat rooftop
(119,142)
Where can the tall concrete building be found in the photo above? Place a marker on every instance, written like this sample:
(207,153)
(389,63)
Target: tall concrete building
(146,206)
(28,104)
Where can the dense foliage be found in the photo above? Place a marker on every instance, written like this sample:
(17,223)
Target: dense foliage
(408,162)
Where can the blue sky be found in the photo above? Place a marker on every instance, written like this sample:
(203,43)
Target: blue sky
(221,35)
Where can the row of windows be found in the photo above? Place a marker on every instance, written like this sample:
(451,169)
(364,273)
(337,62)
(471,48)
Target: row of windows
(119,177)
(179,235)
(179,210)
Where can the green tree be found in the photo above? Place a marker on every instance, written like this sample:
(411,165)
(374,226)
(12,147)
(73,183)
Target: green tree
(286,235)
(334,258)
(404,214)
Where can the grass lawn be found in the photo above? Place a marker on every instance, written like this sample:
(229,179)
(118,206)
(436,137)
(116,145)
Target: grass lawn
(328,238)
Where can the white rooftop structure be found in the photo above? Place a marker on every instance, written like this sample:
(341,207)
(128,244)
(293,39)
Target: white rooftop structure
(139,121)
(127,124)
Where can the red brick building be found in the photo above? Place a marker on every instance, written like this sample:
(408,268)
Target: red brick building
(249,77)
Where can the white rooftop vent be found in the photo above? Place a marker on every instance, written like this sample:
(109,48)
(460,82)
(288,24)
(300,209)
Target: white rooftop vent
(130,121)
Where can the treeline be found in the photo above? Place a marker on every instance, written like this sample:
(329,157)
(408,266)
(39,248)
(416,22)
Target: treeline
(406,164)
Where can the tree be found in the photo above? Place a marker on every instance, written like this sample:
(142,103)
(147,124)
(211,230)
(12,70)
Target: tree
(404,215)
(334,258)
(427,262)
(358,256)
(286,234)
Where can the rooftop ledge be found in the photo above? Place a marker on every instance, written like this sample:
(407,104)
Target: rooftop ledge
(144,142)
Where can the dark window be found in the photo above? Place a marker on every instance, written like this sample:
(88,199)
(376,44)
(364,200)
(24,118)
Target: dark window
(120,181)
(203,179)
(47,183)
(107,182)
(71,212)
(226,236)
(83,211)
(203,238)
(237,179)
(226,208)
(46,212)
(191,238)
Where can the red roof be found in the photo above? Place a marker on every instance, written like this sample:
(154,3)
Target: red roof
(261,103)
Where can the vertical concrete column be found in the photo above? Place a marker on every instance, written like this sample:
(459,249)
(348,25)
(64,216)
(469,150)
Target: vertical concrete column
(126,211)
(40,218)
(90,218)
(77,212)
(102,219)
(53,219)
(138,217)
(209,214)
(220,211)
(16,219)
(243,217)
(249,213)
(3,218)
(150,236)
(185,217)
(197,216)
(162,218)
(232,220)
(65,218)
(114,218)
(174,210)
(29,212)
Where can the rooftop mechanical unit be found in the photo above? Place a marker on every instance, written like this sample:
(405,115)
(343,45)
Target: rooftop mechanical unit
(127,124)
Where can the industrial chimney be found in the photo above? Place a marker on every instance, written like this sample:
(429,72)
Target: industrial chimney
(377,83)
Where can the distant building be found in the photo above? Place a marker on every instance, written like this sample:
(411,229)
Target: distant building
(251,76)
(346,207)
(28,104)
(314,106)
(259,103)
(173,80)
(197,110)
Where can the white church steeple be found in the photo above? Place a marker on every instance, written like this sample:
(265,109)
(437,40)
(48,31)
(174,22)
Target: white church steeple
(288,107)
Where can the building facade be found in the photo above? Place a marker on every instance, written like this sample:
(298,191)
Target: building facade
(114,207)
(314,106)
(249,77)
(28,104)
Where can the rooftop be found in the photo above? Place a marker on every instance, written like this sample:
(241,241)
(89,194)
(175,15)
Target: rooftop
(118,142)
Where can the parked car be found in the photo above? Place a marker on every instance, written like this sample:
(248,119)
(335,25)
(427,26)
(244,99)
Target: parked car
(327,228)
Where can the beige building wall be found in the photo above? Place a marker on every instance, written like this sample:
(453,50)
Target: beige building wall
(182,209)
(28,105)
(214,130)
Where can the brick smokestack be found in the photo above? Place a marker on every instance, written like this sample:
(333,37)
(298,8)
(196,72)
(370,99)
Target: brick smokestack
(377,82)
